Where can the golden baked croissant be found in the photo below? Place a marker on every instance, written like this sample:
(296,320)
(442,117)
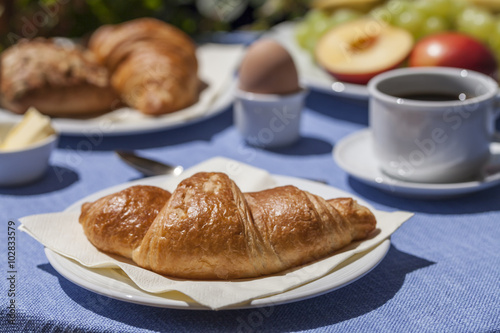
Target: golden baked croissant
(59,79)
(153,64)
(208,229)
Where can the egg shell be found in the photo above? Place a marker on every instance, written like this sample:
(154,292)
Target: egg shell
(268,68)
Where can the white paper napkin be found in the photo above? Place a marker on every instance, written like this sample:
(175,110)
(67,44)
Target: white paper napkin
(61,233)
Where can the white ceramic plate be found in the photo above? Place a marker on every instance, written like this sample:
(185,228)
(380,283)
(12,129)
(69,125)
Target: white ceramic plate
(310,74)
(355,155)
(129,121)
(114,284)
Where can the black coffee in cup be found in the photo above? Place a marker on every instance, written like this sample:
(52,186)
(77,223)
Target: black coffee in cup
(434,96)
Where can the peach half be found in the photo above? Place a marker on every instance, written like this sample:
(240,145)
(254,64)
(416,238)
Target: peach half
(356,51)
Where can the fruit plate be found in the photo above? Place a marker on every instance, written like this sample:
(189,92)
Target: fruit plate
(478,57)
(311,75)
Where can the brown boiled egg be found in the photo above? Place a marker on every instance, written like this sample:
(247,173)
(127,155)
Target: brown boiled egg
(268,68)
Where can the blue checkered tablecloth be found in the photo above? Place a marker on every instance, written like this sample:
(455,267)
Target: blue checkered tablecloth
(441,274)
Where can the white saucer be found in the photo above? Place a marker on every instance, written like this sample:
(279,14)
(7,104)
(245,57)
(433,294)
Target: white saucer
(355,155)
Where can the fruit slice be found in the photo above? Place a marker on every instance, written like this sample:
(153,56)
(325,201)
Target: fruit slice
(356,51)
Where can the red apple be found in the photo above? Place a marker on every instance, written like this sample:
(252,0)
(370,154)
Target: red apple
(356,51)
(452,49)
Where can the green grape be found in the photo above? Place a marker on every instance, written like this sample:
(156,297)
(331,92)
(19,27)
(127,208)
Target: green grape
(319,27)
(412,21)
(433,25)
(316,15)
(494,40)
(475,22)
(456,8)
(382,13)
(496,51)
(302,33)
(495,33)
(305,37)
(439,8)
(318,22)
(397,7)
(343,15)
(424,7)
(307,32)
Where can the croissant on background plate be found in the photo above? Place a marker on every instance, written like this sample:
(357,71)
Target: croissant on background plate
(58,79)
(145,63)
(153,65)
(208,229)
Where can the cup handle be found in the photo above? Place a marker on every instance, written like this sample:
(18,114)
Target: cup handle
(493,166)
(496,115)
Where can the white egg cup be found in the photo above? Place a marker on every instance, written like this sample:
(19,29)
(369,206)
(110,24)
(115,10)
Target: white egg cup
(269,120)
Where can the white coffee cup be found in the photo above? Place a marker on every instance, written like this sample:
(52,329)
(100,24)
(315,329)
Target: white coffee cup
(269,120)
(432,141)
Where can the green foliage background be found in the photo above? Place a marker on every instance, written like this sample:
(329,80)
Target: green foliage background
(78,18)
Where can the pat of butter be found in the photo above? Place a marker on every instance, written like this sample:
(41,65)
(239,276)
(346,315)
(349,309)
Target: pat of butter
(33,128)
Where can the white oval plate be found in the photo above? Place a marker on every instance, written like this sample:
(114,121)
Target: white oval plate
(114,284)
(310,74)
(355,155)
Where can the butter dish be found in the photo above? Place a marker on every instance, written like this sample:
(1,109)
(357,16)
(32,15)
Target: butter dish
(25,149)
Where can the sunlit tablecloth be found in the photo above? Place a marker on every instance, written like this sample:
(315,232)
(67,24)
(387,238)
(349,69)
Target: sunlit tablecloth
(441,274)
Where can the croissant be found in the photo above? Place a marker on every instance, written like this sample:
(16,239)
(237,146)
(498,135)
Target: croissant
(59,79)
(153,65)
(208,229)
